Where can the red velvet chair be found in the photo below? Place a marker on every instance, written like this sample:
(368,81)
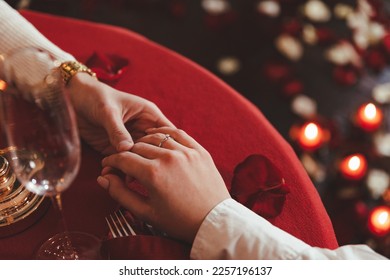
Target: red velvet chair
(225,123)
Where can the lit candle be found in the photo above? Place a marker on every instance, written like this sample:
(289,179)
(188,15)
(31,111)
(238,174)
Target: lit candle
(3,85)
(369,117)
(353,167)
(311,136)
(379,220)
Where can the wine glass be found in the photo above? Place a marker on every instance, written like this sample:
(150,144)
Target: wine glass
(40,127)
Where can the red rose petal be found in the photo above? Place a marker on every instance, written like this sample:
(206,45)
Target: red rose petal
(375,60)
(276,71)
(325,36)
(108,67)
(268,205)
(292,27)
(258,184)
(178,8)
(386,43)
(345,75)
(220,21)
(293,87)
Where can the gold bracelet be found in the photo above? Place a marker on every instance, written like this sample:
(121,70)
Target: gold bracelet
(71,68)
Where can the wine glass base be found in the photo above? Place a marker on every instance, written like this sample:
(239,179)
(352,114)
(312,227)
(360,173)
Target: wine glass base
(71,246)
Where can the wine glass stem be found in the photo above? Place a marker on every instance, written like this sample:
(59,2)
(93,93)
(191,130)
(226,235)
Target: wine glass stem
(58,200)
(68,249)
(57,203)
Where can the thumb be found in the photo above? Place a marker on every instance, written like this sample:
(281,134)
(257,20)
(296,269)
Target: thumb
(119,137)
(117,189)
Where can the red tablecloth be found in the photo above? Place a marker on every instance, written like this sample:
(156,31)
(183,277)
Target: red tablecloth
(224,122)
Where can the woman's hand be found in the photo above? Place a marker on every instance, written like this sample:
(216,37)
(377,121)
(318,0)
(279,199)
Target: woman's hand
(109,119)
(182,181)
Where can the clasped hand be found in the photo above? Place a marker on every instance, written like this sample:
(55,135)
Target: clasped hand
(108,119)
(180,177)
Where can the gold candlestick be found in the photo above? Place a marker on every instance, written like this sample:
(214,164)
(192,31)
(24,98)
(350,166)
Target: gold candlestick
(7,178)
(19,208)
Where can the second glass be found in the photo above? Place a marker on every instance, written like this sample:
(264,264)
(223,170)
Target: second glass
(41,131)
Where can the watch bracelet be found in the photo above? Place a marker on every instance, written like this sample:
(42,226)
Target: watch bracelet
(70,68)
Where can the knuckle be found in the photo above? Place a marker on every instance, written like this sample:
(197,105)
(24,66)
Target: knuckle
(192,155)
(106,108)
(153,172)
(173,157)
(180,132)
(152,105)
(204,153)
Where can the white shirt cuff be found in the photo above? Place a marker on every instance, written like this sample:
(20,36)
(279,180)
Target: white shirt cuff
(231,231)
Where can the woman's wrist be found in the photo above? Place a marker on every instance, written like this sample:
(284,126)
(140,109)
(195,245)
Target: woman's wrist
(80,88)
(80,80)
(71,68)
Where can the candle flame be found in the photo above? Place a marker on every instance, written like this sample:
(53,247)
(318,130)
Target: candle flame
(370,111)
(380,220)
(3,85)
(353,167)
(311,131)
(383,218)
(354,163)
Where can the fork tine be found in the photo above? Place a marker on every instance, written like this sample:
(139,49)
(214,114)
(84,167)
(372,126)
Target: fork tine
(122,227)
(111,229)
(118,225)
(127,224)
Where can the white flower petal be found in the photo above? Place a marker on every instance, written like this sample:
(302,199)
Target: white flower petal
(270,8)
(317,11)
(381,93)
(304,106)
(289,46)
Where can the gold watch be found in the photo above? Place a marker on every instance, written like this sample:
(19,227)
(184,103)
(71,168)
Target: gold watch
(70,68)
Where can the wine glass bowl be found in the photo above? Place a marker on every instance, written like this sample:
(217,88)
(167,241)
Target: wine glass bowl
(40,126)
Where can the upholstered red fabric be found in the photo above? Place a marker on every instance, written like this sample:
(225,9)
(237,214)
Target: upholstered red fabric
(224,122)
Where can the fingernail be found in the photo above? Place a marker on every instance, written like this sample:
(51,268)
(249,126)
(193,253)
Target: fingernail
(103,182)
(124,146)
(150,129)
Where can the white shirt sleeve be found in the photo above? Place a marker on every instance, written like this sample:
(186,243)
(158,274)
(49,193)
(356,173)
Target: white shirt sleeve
(232,231)
(16,34)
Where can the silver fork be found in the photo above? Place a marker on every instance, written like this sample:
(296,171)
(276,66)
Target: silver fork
(118,225)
